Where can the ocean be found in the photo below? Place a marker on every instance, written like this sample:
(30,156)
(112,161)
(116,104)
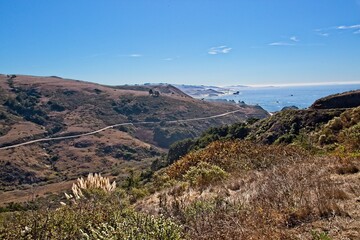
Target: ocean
(274,99)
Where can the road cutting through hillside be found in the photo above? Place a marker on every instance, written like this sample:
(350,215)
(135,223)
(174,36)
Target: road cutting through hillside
(113,126)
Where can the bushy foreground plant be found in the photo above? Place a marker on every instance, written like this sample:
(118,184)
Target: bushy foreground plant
(88,221)
(135,226)
(320,235)
(90,185)
(342,132)
(98,211)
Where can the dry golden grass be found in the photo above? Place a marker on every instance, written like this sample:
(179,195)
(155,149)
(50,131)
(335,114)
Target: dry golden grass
(295,197)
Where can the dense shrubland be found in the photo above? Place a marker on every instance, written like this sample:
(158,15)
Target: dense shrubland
(315,130)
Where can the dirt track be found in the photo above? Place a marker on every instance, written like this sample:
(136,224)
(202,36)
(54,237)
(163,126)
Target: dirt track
(113,126)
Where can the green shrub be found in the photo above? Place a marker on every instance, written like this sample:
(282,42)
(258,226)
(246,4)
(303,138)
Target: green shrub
(285,139)
(204,174)
(102,219)
(135,226)
(351,137)
(138,193)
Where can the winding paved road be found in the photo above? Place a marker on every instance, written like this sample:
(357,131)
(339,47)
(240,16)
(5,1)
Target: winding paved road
(113,126)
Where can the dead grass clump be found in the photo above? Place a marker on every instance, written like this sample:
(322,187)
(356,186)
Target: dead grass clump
(218,218)
(283,198)
(301,192)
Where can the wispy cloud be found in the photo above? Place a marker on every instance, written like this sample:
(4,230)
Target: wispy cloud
(219,50)
(281,44)
(294,39)
(344,27)
(355,27)
(135,55)
(323,34)
(171,58)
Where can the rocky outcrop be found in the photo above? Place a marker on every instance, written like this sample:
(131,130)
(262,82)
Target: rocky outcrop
(343,100)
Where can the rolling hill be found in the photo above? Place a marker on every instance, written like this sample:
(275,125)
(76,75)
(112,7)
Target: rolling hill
(40,107)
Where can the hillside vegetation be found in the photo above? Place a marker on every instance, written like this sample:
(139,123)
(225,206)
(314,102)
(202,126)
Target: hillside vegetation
(294,175)
(314,130)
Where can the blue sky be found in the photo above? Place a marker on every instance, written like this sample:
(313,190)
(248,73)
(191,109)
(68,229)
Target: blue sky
(210,42)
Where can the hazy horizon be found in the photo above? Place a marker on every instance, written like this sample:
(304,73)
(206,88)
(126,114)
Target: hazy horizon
(211,42)
(206,85)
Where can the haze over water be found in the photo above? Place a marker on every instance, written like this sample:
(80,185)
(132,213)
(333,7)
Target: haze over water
(274,99)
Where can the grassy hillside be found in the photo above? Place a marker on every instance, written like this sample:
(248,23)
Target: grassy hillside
(37,107)
(233,182)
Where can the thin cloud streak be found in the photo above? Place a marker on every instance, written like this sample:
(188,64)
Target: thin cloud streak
(357,26)
(219,50)
(135,55)
(281,44)
(171,58)
(324,34)
(293,40)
